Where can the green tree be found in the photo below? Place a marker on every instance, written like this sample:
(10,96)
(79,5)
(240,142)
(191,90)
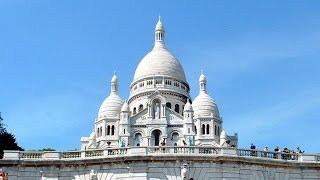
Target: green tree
(7,140)
(47,149)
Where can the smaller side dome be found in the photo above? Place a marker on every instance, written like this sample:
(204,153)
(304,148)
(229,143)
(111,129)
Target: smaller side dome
(223,134)
(188,106)
(203,104)
(92,136)
(125,107)
(111,106)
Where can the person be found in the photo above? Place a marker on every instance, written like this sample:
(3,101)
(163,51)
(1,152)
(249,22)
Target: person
(253,152)
(299,150)
(285,154)
(276,150)
(265,151)
(252,146)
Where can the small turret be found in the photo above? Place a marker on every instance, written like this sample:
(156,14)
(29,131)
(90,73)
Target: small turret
(188,124)
(223,138)
(124,126)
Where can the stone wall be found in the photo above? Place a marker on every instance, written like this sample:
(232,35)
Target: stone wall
(141,165)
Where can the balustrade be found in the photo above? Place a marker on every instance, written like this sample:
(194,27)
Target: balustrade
(31,155)
(157,150)
(71,154)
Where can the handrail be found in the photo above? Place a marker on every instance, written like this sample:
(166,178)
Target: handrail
(160,150)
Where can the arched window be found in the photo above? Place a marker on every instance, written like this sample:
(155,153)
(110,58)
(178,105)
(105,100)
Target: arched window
(215,130)
(177,108)
(175,136)
(124,131)
(100,131)
(112,130)
(195,129)
(140,107)
(134,111)
(208,129)
(218,131)
(108,130)
(168,104)
(203,129)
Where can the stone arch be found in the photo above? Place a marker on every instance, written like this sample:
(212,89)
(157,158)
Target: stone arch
(138,138)
(156,137)
(168,105)
(177,108)
(140,107)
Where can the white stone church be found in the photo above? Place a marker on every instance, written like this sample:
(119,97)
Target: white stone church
(159,110)
(159,134)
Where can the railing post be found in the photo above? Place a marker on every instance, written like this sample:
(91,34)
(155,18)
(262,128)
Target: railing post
(196,150)
(259,153)
(83,154)
(308,158)
(229,151)
(11,154)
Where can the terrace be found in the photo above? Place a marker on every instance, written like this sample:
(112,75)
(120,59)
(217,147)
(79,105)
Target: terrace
(159,151)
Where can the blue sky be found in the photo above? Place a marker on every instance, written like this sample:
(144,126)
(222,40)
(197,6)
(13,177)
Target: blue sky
(261,60)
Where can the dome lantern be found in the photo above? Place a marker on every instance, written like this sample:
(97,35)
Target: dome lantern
(203,83)
(114,84)
(159,35)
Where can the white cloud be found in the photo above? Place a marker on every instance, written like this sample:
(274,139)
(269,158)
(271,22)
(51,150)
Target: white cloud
(274,115)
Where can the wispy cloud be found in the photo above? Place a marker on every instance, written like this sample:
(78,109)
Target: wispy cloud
(282,112)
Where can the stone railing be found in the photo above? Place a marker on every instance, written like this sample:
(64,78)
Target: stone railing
(268,154)
(156,150)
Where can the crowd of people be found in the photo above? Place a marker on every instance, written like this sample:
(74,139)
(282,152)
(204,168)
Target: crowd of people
(285,153)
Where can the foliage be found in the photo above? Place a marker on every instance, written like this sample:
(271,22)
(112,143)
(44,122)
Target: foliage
(47,149)
(7,140)
(2,126)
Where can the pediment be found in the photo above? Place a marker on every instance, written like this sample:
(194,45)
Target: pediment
(173,117)
(139,117)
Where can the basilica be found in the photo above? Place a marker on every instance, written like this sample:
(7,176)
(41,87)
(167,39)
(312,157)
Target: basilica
(159,133)
(159,110)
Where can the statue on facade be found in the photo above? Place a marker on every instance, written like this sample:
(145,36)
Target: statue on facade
(184,171)
(93,175)
(156,109)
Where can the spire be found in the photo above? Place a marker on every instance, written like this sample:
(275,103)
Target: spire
(159,35)
(203,82)
(114,84)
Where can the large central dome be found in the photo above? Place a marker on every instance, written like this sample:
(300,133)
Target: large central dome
(159,62)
